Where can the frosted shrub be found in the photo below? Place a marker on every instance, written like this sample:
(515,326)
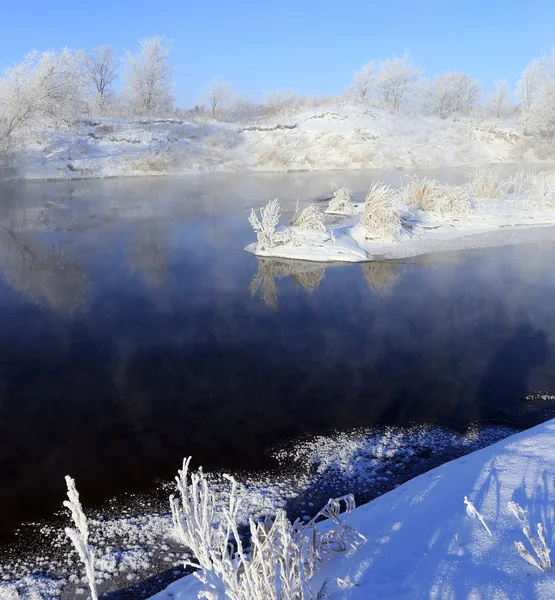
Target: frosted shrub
(432,196)
(80,535)
(519,185)
(422,193)
(282,557)
(543,191)
(309,218)
(485,182)
(543,559)
(381,218)
(531,191)
(341,202)
(265,227)
(452,200)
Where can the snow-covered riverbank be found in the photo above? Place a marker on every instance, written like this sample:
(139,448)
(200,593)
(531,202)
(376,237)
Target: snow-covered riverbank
(423,543)
(343,136)
(135,542)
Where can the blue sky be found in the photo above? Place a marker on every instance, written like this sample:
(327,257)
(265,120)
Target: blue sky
(308,46)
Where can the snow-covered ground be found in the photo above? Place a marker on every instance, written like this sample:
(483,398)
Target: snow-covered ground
(137,542)
(343,136)
(422,542)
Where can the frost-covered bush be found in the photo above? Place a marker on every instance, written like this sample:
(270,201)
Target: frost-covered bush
(432,196)
(531,191)
(542,560)
(265,227)
(485,182)
(309,218)
(453,200)
(422,193)
(282,556)
(381,218)
(341,202)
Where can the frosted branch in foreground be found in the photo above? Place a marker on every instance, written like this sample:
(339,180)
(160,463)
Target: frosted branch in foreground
(543,559)
(80,535)
(472,511)
(282,556)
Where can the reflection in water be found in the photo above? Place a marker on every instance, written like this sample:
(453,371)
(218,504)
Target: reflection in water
(46,274)
(306,274)
(381,276)
(149,254)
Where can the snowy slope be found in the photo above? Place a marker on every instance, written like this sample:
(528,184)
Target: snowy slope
(422,544)
(343,136)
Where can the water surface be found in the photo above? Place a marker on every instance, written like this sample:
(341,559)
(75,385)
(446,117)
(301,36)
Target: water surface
(136,330)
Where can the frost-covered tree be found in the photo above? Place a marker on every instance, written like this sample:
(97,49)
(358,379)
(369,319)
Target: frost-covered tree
(148,77)
(393,79)
(362,81)
(100,68)
(44,89)
(498,98)
(542,114)
(453,95)
(528,88)
(217,95)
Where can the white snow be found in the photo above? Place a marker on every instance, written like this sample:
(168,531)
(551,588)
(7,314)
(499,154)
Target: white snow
(129,548)
(341,136)
(422,543)
(511,219)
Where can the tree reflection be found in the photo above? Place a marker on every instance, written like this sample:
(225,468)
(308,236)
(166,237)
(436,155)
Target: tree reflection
(148,255)
(45,274)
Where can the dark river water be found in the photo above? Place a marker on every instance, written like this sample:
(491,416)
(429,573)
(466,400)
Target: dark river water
(135,330)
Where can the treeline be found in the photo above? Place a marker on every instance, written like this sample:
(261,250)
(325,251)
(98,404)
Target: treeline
(53,88)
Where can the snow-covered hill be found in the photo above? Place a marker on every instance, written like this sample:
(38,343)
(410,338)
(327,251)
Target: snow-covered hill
(345,136)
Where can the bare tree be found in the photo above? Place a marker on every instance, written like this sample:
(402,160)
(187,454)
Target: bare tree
(217,95)
(453,94)
(498,98)
(528,88)
(363,80)
(101,70)
(393,79)
(149,77)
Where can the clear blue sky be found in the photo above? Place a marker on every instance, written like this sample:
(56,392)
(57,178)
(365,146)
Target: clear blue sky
(311,46)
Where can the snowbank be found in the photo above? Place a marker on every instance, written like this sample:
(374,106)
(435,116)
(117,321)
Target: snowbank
(343,136)
(422,544)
